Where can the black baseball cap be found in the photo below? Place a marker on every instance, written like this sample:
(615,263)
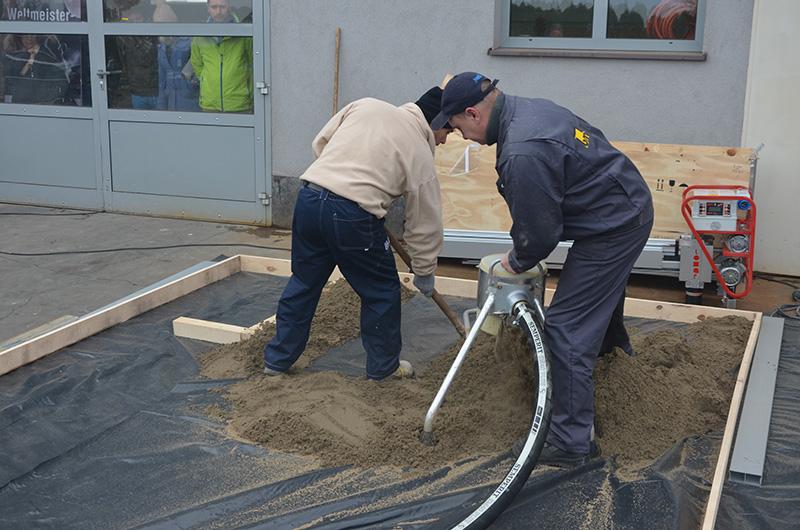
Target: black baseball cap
(462,91)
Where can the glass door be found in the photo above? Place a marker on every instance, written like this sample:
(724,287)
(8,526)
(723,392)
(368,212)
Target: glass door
(181,99)
(47,145)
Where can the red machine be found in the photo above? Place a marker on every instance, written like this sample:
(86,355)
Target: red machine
(723,222)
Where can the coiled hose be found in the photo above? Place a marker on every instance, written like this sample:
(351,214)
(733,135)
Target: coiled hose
(521,469)
(672,19)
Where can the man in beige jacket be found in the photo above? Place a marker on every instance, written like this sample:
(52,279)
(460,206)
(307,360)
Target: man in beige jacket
(367,156)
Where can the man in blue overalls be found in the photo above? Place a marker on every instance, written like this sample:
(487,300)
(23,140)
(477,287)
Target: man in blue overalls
(562,180)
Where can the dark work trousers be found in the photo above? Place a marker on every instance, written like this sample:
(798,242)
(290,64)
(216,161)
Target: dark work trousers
(584,318)
(328,230)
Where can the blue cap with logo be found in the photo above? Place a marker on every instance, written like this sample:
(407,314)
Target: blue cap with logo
(462,91)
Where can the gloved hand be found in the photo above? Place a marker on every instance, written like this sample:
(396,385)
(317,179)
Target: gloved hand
(424,284)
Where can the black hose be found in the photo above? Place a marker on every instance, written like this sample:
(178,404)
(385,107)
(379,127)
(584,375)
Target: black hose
(516,477)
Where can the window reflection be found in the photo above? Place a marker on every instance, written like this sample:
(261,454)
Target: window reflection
(652,19)
(180,73)
(546,18)
(45,69)
(44,10)
(219,11)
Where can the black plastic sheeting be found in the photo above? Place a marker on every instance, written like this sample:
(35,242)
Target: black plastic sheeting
(111,433)
(776,503)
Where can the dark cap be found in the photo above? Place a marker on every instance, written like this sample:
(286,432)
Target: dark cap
(430,103)
(462,91)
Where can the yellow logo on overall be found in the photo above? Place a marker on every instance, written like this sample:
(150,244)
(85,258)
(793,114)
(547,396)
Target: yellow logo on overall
(582,137)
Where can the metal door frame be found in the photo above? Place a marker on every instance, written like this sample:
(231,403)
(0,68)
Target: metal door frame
(260,211)
(44,194)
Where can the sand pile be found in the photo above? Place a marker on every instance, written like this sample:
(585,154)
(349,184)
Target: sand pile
(679,384)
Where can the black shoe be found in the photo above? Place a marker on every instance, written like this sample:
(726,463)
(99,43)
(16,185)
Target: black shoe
(555,457)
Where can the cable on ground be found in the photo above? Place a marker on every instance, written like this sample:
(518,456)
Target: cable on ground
(123,249)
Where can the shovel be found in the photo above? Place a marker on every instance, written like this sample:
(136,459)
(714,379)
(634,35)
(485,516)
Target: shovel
(438,298)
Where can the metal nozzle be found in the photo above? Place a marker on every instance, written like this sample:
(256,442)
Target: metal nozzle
(427,438)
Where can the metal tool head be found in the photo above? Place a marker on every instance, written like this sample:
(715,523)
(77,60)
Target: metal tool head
(508,288)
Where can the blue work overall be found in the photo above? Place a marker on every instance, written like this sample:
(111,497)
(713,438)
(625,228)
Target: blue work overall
(583,320)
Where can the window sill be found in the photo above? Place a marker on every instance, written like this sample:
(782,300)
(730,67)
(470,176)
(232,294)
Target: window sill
(597,54)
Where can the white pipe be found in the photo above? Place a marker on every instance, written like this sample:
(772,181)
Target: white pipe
(462,353)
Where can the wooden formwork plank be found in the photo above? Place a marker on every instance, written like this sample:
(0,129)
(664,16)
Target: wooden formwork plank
(446,286)
(675,312)
(214,332)
(656,310)
(205,330)
(58,338)
(274,266)
(635,307)
(264,265)
(88,325)
(721,471)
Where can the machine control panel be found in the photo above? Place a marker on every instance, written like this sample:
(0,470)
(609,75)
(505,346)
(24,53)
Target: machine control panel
(722,215)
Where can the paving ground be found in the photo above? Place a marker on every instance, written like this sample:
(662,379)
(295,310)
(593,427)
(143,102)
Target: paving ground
(36,290)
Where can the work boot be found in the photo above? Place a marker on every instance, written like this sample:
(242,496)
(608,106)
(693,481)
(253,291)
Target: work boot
(404,370)
(555,457)
(270,372)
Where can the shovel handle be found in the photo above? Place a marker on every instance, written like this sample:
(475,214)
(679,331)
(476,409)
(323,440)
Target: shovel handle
(438,298)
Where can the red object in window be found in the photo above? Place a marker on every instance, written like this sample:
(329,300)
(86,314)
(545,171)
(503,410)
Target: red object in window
(672,19)
(746,227)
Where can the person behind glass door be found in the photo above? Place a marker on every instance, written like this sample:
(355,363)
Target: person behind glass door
(139,57)
(177,86)
(223,65)
(34,69)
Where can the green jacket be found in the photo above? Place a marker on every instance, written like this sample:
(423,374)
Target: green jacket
(225,71)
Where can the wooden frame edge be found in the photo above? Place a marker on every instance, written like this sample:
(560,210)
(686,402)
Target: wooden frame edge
(88,325)
(92,323)
(214,332)
(635,307)
(720,472)
(208,331)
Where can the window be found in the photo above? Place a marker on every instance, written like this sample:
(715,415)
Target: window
(211,11)
(618,25)
(43,10)
(180,73)
(44,69)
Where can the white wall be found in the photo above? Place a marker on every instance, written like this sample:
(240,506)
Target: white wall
(772,115)
(396,49)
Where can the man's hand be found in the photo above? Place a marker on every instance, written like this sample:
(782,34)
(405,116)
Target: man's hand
(506,263)
(424,284)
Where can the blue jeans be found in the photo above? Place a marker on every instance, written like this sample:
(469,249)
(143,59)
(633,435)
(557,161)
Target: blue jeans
(328,230)
(144,102)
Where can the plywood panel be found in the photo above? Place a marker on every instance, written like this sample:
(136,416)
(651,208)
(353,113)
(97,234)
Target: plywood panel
(668,168)
(469,198)
(471,202)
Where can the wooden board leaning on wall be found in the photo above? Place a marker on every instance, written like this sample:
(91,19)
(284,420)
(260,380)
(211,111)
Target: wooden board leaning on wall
(471,202)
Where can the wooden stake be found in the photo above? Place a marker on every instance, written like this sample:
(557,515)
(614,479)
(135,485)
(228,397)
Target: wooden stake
(336,71)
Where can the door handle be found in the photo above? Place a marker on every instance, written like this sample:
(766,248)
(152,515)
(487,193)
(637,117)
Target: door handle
(103,73)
